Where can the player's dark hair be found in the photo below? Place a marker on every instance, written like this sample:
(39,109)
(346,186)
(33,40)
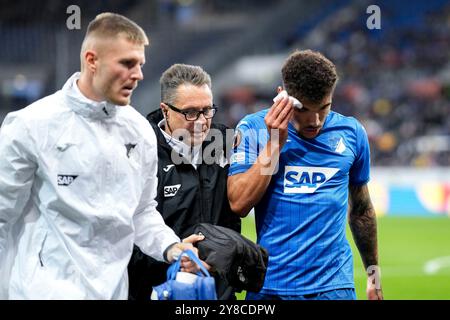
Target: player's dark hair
(308,75)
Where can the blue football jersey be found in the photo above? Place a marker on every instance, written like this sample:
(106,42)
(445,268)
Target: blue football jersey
(302,216)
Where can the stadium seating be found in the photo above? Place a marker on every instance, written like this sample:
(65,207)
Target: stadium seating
(395,80)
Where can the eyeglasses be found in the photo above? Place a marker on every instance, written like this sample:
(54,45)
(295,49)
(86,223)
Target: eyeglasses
(193,115)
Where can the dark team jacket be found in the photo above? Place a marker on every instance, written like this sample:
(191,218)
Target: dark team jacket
(186,196)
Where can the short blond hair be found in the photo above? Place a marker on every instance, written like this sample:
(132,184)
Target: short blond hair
(111,25)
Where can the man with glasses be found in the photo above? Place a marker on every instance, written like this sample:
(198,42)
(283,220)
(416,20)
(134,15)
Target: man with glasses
(191,181)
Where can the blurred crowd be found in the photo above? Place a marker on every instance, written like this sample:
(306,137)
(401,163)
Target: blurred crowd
(396,81)
(22,13)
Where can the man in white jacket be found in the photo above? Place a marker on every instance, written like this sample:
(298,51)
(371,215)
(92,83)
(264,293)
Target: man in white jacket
(78,179)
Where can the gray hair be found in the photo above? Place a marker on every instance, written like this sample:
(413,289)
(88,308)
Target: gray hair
(179,74)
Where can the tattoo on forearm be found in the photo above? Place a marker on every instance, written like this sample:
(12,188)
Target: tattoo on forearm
(363,224)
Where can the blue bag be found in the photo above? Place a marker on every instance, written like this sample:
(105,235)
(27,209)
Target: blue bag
(204,287)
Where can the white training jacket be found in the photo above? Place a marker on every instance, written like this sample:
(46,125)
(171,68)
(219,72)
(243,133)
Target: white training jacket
(77,188)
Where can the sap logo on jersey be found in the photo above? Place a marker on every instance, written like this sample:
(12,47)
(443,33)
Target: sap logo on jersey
(170,191)
(65,179)
(306,179)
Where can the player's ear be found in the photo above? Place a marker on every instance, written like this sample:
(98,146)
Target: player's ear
(90,60)
(164,109)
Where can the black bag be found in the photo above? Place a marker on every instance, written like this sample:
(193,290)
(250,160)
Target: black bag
(237,259)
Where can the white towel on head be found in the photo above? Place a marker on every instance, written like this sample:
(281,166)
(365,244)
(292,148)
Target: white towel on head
(283,94)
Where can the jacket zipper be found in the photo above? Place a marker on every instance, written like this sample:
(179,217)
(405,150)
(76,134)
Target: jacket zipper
(40,251)
(202,210)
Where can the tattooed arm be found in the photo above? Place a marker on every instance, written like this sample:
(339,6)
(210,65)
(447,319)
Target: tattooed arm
(363,225)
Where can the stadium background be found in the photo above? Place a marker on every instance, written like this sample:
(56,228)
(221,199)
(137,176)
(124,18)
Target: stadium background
(395,80)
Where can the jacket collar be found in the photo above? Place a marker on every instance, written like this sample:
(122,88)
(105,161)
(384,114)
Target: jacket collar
(190,153)
(84,106)
(155,117)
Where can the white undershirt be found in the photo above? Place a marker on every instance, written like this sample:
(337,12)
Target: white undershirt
(192,154)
